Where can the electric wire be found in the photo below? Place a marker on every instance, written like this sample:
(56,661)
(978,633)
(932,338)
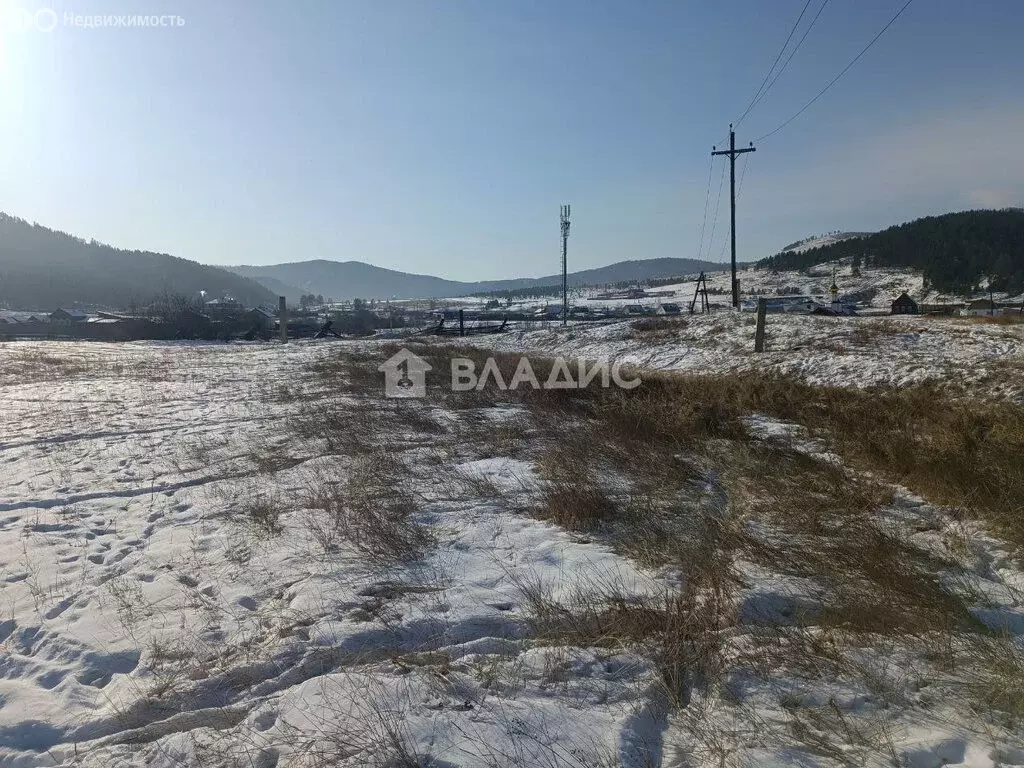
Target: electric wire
(791,55)
(718,203)
(835,79)
(771,69)
(707,200)
(739,191)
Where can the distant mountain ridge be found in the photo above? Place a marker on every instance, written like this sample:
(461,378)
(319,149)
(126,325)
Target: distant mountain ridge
(356,279)
(42,269)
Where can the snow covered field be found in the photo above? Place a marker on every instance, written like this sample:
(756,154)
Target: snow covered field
(232,555)
(844,351)
(145,620)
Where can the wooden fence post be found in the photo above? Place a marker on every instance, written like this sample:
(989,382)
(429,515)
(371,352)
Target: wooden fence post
(762,309)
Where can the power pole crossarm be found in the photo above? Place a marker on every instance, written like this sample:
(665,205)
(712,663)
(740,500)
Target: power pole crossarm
(732,152)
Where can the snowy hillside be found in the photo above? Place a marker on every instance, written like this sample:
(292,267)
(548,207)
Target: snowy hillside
(870,288)
(879,286)
(817,241)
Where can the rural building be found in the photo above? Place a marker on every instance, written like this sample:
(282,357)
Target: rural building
(981,307)
(668,309)
(21,318)
(220,309)
(904,305)
(189,324)
(261,318)
(940,309)
(68,316)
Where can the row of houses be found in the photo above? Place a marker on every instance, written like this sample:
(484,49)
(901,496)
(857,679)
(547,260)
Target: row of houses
(181,323)
(60,317)
(905,305)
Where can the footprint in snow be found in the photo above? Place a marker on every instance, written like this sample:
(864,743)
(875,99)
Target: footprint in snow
(264,721)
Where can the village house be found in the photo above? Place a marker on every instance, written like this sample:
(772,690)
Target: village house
(981,308)
(904,305)
(68,316)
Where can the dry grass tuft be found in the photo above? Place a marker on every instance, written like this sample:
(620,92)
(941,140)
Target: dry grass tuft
(868,332)
(576,505)
(681,631)
(657,330)
(997,676)
(368,510)
(263,508)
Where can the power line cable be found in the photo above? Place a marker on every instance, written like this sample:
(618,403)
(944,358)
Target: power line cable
(707,199)
(718,203)
(792,53)
(743,175)
(834,80)
(771,69)
(739,191)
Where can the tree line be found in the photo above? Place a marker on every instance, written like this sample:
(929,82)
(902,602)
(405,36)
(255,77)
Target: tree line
(956,252)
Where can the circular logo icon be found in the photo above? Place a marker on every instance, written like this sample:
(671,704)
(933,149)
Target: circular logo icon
(24,20)
(45,19)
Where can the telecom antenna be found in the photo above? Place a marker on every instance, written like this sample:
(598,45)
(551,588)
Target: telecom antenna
(564,218)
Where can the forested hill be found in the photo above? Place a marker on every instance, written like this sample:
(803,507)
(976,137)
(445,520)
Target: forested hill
(356,279)
(955,252)
(42,269)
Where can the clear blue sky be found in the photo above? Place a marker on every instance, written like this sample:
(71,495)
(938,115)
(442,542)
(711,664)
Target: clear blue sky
(440,136)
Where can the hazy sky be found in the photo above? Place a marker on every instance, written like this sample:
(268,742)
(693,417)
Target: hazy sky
(440,136)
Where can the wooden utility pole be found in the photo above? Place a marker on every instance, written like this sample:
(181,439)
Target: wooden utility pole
(282,318)
(762,308)
(732,152)
(564,220)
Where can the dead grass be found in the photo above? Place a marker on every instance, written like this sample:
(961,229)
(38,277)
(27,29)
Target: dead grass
(997,677)
(952,451)
(576,505)
(680,630)
(368,509)
(263,508)
(1014,318)
(668,474)
(25,365)
(658,330)
(869,332)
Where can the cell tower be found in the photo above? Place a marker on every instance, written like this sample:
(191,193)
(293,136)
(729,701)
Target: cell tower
(564,218)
